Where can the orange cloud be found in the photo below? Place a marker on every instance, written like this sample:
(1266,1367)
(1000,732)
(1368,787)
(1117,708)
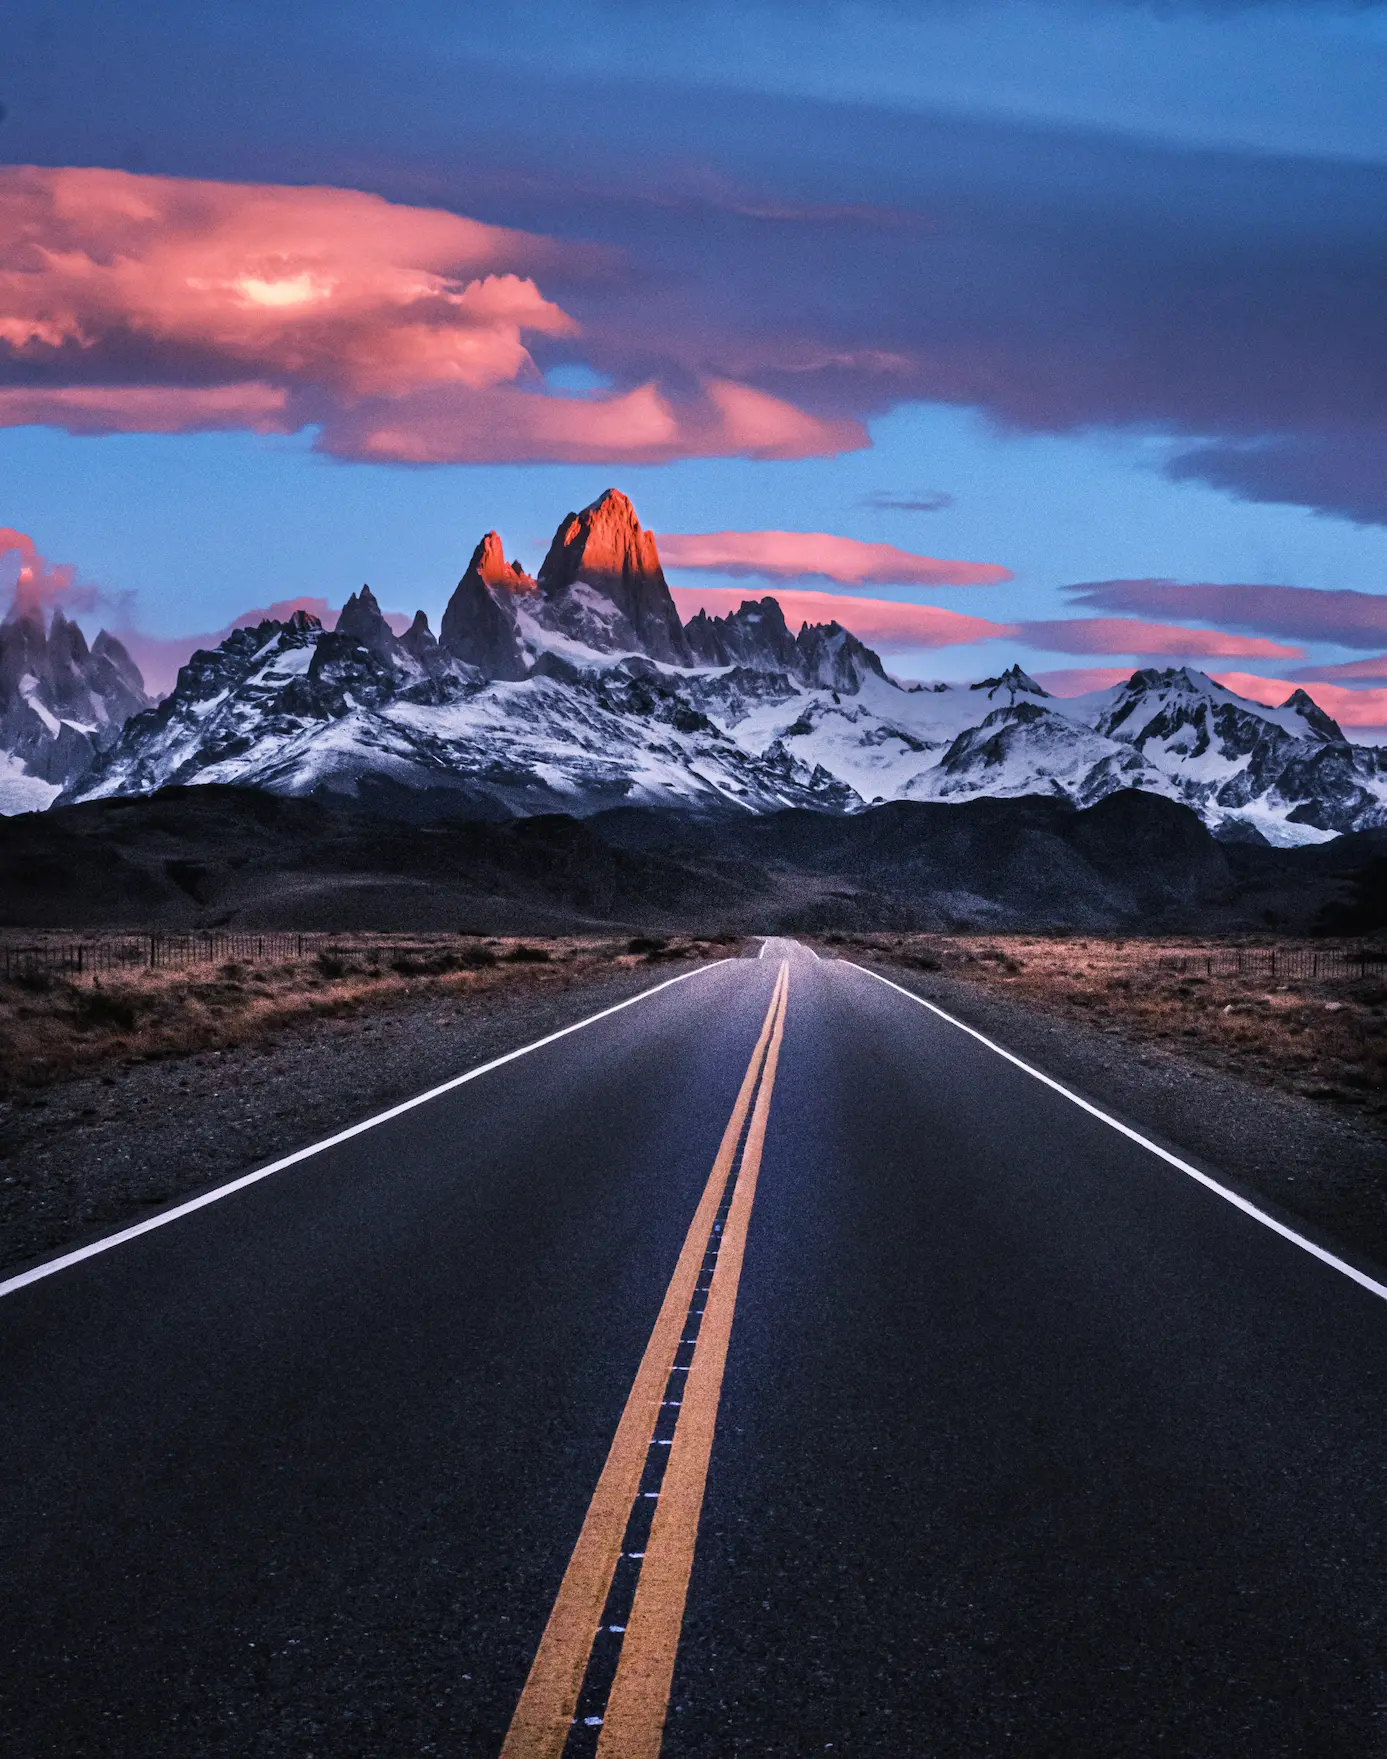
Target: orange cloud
(162,304)
(818,555)
(879,622)
(1127,635)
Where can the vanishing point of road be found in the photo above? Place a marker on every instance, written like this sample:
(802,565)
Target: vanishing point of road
(768,1365)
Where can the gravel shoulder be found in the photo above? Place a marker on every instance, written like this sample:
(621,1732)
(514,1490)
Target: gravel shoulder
(1306,1162)
(94,1153)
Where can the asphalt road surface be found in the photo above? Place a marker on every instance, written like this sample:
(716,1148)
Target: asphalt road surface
(998,1433)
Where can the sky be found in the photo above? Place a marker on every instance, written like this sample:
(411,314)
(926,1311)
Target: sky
(1002,330)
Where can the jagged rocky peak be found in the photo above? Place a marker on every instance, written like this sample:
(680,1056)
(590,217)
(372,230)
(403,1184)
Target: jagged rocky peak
(61,701)
(479,624)
(115,664)
(419,640)
(1186,679)
(755,635)
(1314,716)
(833,658)
(1014,680)
(603,584)
(491,567)
(362,619)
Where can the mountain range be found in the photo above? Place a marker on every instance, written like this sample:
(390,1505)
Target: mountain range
(580,690)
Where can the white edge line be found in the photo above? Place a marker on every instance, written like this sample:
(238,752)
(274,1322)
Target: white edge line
(52,1265)
(1259,1215)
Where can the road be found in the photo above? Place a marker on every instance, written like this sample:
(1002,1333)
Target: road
(998,1433)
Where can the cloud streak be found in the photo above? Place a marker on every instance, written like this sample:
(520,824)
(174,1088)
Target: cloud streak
(917,501)
(818,555)
(506,425)
(146,409)
(1125,635)
(1372,671)
(1079,680)
(1301,613)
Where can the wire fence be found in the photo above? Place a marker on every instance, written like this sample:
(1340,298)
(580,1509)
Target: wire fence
(155,952)
(1299,963)
(150,952)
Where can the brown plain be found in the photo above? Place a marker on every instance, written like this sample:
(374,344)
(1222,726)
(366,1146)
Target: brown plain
(1323,1037)
(53,1025)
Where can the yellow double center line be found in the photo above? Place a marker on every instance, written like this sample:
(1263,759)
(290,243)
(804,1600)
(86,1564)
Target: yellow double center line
(634,1716)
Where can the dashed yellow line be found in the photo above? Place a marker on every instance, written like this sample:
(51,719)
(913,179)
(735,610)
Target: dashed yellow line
(540,1727)
(634,1722)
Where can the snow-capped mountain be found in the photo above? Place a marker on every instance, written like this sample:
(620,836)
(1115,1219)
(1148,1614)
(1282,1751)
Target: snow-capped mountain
(581,689)
(61,702)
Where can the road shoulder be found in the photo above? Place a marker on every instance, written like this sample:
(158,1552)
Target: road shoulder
(97,1152)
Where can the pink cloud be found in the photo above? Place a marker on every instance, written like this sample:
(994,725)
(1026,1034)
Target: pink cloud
(330,285)
(506,424)
(146,409)
(1079,680)
(879,622)
(818,555)
(161,304)
(1125,635)
(1350,708)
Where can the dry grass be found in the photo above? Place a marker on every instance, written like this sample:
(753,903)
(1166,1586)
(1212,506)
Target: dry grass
(1326,1038)
(55,1026)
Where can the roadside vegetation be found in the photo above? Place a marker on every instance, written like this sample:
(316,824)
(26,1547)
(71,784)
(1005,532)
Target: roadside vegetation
(1319,1032)
(55,1023)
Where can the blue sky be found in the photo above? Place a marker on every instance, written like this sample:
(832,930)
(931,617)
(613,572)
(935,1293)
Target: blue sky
(1111,278)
